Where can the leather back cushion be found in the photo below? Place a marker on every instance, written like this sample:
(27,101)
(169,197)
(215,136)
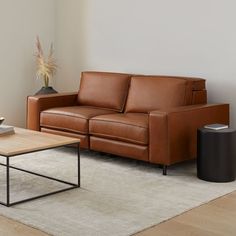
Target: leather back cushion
(104,90)
(148,93)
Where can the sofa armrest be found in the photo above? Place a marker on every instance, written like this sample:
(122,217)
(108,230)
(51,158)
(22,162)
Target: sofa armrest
(38,103)
(173,133)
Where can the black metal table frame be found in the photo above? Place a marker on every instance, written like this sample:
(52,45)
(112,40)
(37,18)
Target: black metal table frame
(8,167)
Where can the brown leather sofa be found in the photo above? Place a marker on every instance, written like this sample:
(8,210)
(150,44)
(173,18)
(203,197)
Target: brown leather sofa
(149,118)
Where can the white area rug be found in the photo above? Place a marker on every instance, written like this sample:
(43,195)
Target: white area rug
(117,196)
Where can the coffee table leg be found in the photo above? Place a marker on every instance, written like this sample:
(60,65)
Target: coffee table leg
(8,166)
(78,153)
(8,181)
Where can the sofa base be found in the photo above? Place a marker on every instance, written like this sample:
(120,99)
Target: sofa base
(119,148)
(133,151)
(84,140)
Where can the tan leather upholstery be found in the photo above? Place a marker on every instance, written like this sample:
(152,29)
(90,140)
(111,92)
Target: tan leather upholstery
(199,97)
(173,133)
(71,119)
(84,140)
(129,127)
(120,148)
(103,89)
(36,104)
(148,93)
(159,124)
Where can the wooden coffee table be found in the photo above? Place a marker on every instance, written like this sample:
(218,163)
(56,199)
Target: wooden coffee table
(27,141)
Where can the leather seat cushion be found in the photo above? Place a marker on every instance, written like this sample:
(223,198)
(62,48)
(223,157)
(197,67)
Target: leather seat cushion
(128,127)
(73,119)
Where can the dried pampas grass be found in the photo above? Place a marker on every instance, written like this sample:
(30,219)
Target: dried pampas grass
(46,66)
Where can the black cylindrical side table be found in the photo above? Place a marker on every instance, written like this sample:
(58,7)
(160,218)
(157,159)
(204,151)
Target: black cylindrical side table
(216,155)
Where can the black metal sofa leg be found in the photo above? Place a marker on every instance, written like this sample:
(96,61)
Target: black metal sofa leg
(164,167)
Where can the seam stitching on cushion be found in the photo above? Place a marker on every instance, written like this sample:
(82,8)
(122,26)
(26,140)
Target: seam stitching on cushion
(119,123)
(63,131)
(57,128)
(58,114)
(117,138)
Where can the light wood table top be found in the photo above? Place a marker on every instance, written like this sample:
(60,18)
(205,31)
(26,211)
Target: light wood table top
(26,141)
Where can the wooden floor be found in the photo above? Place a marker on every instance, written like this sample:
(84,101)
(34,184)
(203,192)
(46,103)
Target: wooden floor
(216,218)
(12,228)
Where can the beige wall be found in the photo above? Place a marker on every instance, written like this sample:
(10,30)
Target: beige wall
(20,22)
(70,42)
(184,37)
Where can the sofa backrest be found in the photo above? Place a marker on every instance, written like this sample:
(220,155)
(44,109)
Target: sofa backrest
(148,93)
(104,90)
